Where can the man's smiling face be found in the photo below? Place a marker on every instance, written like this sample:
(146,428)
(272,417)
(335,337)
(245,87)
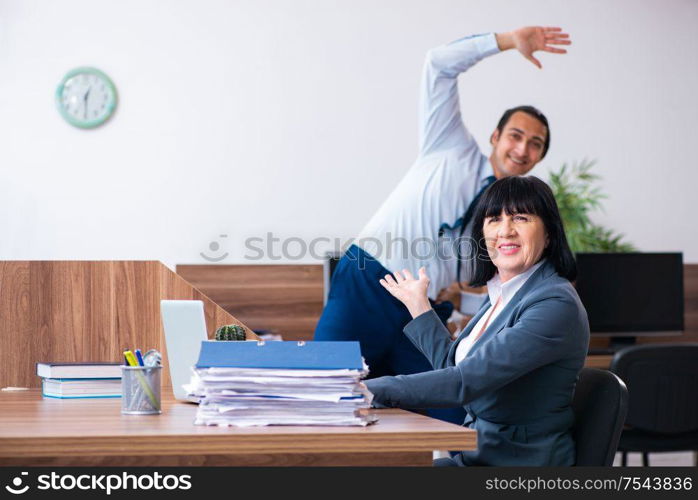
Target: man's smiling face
(520,145)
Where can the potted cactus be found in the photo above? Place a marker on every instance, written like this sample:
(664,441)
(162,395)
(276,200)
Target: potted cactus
(230,332)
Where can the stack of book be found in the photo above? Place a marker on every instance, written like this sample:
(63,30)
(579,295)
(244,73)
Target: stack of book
(261,383)
(80,380)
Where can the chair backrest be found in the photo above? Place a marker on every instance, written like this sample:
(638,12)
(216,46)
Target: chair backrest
(600,404)
(662,382)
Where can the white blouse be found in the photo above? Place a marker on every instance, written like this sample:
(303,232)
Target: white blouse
(496,290)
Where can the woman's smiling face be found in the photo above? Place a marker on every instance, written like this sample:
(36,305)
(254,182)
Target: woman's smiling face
(514,242)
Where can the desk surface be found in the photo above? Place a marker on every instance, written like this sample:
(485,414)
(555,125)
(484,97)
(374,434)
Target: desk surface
(36,431)
(602,361)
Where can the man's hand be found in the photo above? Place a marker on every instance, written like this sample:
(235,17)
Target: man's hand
(456,323)
(408,290)
(533,38)
(452,293)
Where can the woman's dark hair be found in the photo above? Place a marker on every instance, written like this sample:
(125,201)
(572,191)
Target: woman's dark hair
(520,195)
(531,111)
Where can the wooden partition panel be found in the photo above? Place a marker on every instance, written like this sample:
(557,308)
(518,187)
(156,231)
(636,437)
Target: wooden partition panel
(288,298)
(63,311)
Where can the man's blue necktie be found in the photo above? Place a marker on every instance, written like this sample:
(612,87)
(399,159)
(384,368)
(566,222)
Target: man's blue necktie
(463,221)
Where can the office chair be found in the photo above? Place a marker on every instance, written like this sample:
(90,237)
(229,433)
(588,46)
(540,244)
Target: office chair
(600,403)
(662,382)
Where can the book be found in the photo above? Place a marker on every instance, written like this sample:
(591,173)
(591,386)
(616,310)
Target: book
(81,388)
(79,370)
(281,355)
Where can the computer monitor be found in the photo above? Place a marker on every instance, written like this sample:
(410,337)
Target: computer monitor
(328,267)
(632,294)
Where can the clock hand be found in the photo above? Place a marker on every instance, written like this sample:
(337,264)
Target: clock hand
(85,102)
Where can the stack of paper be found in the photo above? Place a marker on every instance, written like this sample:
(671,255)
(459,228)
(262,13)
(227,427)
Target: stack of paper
(280,383)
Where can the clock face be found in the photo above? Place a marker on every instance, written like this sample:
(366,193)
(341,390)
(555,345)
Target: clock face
(86,97)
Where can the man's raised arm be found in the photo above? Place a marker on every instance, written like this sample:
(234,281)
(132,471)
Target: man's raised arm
(440,123)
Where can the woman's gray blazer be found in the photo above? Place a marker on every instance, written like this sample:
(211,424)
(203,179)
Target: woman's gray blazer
(517,381)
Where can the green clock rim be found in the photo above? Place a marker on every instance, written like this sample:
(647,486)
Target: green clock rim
(91,123)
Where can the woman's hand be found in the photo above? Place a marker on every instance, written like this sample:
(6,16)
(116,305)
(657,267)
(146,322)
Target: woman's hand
(366,392)
(408,290)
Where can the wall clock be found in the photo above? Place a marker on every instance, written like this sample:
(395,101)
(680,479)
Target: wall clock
(86,97)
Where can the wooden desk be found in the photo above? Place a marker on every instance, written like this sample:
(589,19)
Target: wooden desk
(602,361)
(54,432)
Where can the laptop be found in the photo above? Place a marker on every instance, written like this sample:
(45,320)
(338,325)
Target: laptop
(185,327)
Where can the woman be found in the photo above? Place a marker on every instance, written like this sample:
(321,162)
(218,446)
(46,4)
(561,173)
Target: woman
(514,366)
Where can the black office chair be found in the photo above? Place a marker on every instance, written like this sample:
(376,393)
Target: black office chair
(662,382)
(600,403)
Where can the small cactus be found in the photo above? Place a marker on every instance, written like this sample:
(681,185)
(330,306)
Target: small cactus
(230,332)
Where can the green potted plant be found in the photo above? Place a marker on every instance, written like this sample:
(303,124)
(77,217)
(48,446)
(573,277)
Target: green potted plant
(577,196)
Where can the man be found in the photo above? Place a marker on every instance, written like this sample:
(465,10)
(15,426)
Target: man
(433,202)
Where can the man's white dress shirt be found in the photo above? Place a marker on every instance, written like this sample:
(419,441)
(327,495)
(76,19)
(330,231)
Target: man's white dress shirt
(447,175)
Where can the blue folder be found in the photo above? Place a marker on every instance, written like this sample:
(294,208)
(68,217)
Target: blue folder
(280,355)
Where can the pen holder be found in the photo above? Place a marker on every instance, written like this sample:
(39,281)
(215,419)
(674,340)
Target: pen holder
(140,390)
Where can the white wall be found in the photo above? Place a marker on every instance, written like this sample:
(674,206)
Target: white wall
(298,117)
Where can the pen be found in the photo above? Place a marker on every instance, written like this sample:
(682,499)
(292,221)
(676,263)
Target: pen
(130,358)
(139,357)
(141,379)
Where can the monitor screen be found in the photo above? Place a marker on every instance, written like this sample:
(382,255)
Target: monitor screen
(632,293)
(329,265)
